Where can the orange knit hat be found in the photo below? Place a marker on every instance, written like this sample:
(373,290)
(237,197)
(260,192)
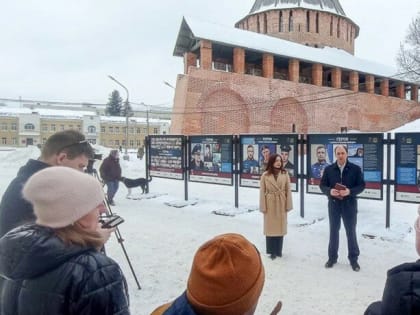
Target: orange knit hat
(227,276)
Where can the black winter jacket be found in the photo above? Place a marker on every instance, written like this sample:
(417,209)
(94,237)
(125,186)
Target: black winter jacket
(14,210)
(352,178)
(40,275)
(110,169)
(402,292)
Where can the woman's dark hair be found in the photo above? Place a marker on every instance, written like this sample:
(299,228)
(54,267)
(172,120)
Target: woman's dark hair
(270,164)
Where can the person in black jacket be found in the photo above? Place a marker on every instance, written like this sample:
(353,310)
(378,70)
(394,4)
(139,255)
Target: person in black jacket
(402,289)
(66,148)
(54,266)
(110,171)
(342,182)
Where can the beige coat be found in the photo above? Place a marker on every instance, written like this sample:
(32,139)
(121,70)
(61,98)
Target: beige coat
(275,202)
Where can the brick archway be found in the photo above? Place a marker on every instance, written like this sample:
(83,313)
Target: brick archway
(285,113)
(223,112)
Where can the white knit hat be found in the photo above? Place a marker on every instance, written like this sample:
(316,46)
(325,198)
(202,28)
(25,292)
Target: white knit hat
(62,195)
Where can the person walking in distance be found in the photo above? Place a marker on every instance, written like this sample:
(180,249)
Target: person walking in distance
(64,148)
(275,203)
(342,181)
(110,171)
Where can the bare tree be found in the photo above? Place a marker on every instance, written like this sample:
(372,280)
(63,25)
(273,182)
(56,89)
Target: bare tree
(409,55)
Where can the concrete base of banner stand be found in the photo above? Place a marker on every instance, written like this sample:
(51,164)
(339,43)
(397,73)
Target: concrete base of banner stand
(180,203)
(231,212)
(303,222)
(144,196)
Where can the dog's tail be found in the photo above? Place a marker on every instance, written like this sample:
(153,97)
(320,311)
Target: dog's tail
(150,179)
(122,179)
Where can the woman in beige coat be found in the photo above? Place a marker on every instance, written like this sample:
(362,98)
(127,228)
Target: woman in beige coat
(275,202)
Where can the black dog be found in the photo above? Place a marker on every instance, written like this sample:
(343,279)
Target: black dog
(136,182)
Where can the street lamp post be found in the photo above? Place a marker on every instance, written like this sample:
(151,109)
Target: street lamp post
(125,157)
(168,84)
(147,117)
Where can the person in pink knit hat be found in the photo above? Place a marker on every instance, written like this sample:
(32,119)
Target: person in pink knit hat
(402,289)
(54,266)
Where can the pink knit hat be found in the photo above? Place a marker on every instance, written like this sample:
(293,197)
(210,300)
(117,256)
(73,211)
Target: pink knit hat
(62,195)
(417,229)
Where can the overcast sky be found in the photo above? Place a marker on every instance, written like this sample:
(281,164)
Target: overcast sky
(60,50)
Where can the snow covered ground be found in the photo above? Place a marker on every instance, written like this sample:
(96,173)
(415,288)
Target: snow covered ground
(161,240)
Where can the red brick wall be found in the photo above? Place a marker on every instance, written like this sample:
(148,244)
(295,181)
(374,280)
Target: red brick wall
(212,102)
(342,36)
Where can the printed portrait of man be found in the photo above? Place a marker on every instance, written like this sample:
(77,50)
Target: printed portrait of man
(249,164)
(317,168)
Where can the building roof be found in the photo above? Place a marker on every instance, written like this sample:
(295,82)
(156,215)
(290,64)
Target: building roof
(331,6)
(69,114)
(193,30)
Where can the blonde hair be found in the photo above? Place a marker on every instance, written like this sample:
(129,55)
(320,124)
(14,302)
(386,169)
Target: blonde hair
(75,234)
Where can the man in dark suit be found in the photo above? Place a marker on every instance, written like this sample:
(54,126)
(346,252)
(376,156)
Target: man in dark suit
(342,182)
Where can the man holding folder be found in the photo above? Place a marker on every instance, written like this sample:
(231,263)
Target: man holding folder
(342,181)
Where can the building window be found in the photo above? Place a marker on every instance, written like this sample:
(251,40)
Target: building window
(308,21)
(131,129)
(138,130)
(13,126)
(281,28)
(70,126)
(117,142)
(258,23)
(111,142)
(91,129)
(29,127)
(317,23)
(291,21)
(117,129)
(3,126)
(79,128)
(338,28)
(331,27)
(3,140)
(103,129)
(14,141)
(131,143)
(144,130)
(44,140)
(44,127)
(61,127)
(111,129)
(155,131)
(52,127)
(138,143)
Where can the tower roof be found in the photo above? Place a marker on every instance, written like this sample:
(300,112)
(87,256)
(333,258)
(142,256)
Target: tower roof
(332,6)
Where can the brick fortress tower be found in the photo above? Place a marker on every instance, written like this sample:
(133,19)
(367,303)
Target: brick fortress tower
(288,66)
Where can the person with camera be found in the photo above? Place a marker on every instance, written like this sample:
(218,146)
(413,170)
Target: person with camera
(66,148)
(54,266)
(110,171)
